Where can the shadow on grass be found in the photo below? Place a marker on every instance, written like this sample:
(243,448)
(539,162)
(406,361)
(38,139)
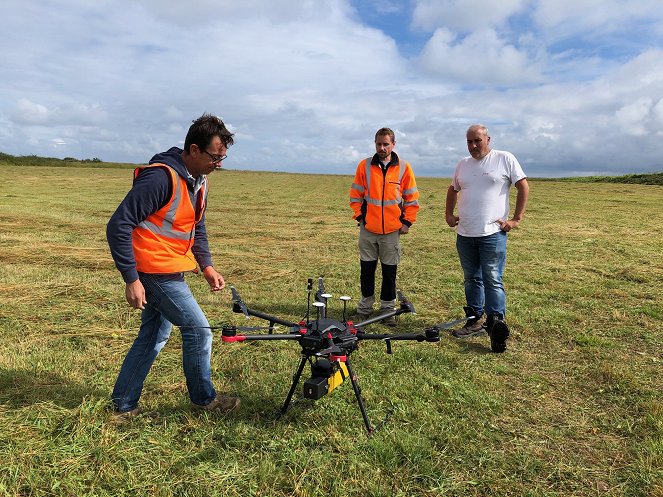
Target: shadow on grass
(260,412)
(20,388)
(467,347)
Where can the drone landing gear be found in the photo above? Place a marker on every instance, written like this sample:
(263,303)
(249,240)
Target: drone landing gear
(370,429)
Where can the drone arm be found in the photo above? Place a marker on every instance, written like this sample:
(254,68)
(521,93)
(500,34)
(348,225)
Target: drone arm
(405,307)
(376,319)
(418,337)
(271,319)
(429,335)
(240,306)
(244,338)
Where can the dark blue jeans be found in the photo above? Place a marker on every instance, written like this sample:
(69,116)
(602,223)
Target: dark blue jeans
(483,260)
(169,302)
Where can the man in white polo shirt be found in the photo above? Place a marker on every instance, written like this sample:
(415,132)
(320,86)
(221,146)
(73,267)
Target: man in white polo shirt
(483,181)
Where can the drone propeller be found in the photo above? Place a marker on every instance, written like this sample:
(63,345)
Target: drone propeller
(451,324)
(238,304)
(333,350)
(406,305)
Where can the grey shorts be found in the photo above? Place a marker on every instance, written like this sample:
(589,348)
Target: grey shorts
(386,248)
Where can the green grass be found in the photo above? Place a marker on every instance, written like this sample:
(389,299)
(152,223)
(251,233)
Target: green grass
(572,408)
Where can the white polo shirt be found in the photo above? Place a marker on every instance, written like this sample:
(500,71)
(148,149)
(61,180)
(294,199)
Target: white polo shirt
(484,191)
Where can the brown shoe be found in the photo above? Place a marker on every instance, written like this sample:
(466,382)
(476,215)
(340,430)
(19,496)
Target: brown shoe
(223,403)
(120,417)
(472,328)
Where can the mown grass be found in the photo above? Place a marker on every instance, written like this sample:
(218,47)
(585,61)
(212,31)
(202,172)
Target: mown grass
(572,408)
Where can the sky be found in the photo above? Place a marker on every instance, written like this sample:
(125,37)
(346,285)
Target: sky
(570,87)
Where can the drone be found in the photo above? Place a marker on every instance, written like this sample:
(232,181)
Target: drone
(327,343)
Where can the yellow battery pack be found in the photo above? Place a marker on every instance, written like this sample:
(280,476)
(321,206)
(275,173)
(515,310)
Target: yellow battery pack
(337,378)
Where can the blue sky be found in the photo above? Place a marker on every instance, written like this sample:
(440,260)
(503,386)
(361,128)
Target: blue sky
(571,87)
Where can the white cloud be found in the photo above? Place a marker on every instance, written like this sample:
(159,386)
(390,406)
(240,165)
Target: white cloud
(281,12)
(633,117)
(463,15)
(585,14)
(481,58)
(658,114)
(27,112)
(31,113)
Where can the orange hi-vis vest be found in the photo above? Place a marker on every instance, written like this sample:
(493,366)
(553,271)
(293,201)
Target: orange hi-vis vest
(384,200)
(162,242)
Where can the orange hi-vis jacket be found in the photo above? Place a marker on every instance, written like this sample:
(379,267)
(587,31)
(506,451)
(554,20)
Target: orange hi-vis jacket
(384,201)
(162,243)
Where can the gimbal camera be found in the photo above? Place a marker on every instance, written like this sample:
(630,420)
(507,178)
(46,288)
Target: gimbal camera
(327,343)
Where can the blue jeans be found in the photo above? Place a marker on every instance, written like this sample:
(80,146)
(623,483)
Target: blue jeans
(169,302)
(483,260)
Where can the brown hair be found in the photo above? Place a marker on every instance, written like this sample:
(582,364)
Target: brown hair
(204,129)
(386,132)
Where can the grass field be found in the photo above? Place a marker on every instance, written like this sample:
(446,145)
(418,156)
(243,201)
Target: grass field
(572,408)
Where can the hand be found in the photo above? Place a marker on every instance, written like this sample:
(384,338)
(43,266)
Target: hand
(404,229)
(452,220)
(507,225)
(135,294)
(214,279)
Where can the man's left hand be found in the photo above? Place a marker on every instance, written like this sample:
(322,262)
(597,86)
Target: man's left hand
(215,280)
(404,229)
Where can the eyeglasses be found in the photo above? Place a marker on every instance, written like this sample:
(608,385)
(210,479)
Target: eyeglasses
(216,158)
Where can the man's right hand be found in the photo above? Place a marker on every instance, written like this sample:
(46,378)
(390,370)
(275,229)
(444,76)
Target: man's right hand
(135,293)
(452,220)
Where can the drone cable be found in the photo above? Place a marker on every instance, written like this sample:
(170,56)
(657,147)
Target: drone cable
(309,288)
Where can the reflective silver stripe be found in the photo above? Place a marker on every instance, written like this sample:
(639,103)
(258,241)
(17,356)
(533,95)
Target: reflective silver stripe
(368,175)
(355,199)
(166,228)
(357,187)
(410,191)
(373,201)
(413,202)
(168,233)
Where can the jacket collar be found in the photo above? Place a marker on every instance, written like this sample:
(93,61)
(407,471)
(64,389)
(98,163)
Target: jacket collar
(375,161)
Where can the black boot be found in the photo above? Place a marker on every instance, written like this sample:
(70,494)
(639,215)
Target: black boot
(498,331)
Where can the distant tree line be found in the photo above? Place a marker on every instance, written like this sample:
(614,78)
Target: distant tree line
(640,179)
(34,160)
(72,159)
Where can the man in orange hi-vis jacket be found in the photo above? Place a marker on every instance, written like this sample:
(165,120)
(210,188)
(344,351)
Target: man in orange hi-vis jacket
(384,198)
(156,235)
